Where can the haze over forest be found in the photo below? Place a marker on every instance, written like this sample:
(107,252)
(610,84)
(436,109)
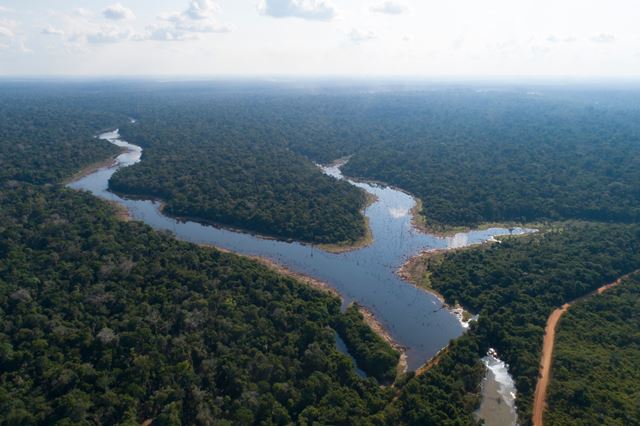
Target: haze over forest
(319,212)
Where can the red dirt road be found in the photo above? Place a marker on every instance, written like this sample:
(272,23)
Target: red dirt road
(540,397)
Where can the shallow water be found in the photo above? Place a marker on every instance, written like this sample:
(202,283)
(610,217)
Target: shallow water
(413,317)
(498,406)
(342,347)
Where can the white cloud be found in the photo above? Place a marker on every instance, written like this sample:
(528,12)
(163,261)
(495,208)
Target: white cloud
(390,8)
(603,38)
(117,12)
(181,31)
(202,9)
(107,34)
(23,48)
(7,28)
(198,18)
(51,30)
(82,12)
(357,36)
(164,34)
(553,39)
(314,10)
(6,32)
(204,27)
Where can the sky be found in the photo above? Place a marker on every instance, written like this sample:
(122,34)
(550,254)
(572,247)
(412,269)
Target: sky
(417,38)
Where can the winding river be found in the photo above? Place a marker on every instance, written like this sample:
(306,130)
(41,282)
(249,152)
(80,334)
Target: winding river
(415,318)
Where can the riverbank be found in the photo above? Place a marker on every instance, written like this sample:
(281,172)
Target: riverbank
(416,272)
(93,167)
(415,318)
(432,362)
(282,270)
(120,211)
(420,222)
(363,242)
(379,329)
(305,279)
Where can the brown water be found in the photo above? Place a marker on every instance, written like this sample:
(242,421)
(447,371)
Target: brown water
(498,406)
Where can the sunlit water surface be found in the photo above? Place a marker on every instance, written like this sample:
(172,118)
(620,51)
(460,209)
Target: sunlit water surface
(415,318)
(498,407)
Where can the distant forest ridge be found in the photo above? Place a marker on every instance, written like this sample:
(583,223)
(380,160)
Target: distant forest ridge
(86,300)
(242,154)
(108,322)
(472,156)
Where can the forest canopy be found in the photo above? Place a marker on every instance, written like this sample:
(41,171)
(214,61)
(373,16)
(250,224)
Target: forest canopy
(505,155)
(243,178)
(516,284)
(106,322)
(595,376)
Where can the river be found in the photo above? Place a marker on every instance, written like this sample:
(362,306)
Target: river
(498,406)
(414,318)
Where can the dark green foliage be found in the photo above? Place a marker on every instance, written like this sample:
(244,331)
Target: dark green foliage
(515,285)
(595,377)
(46,138)
(447,394)
(372,353)
(106,322)
(505,156)
(208,161)
(471,157)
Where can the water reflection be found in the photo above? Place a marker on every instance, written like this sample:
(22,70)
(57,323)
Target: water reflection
(412,316)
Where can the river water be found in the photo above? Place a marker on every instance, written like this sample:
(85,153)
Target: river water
(414,317)
(498,406)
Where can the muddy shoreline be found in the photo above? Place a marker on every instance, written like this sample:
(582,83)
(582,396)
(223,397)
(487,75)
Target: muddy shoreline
(379,329)
(416,318)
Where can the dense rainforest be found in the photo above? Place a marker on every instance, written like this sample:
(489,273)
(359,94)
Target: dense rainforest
(595,376)
(516,284)
(109,322)
(373,356)
(104,321)
(242,155)
(46,137)
(472,156)
(240,177)
(507,157)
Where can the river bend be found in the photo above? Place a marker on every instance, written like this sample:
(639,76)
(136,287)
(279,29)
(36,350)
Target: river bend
(415,318)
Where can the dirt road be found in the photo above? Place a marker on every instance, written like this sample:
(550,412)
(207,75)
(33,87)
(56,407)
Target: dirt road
(540,397)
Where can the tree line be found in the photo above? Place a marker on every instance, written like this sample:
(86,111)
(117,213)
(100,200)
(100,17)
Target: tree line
(516,284)
(595,363)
